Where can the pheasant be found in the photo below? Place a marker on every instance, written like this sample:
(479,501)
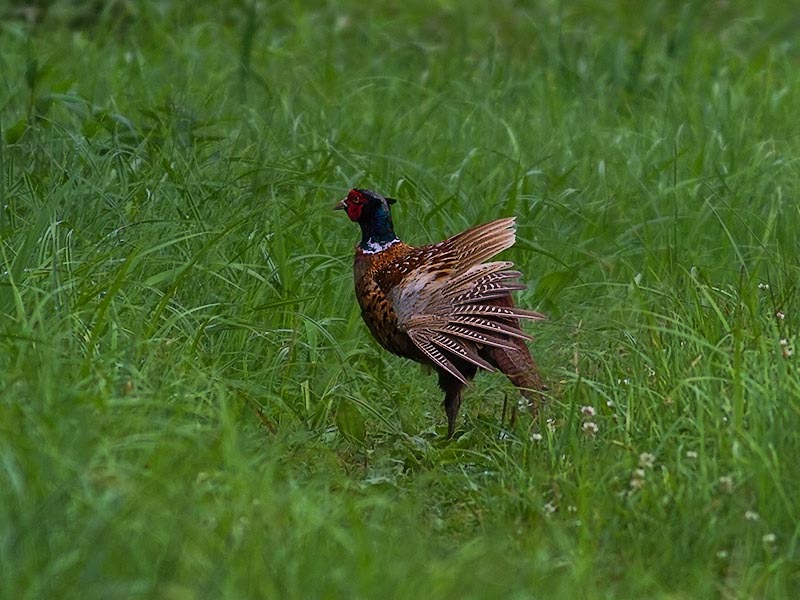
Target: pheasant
(443,304)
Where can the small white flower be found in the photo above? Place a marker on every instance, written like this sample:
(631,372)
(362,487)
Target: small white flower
(722,554)
(590,428)
(726,483)
(751,515)
(610,403)
(763,286)
(550,508)
(637,479)
(787,351)
(342,22)
(691,454)
(780,315)
(646,460)
(551,423)
(536,436)
(587,411)
(769,538)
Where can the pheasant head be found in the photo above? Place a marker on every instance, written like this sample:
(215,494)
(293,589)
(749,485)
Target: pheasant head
(371,211)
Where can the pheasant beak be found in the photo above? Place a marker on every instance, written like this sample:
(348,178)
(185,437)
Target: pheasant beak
(341,205)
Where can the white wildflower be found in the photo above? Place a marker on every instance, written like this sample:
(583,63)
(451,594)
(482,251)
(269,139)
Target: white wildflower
(726,483)
(587,411)
(590,428)
(637,479)
(763,286)
(769,538)
(646,460)
(751,515)
(691,454)
(536,436)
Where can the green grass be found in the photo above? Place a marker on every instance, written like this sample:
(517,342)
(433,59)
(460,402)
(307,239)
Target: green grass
(190,405)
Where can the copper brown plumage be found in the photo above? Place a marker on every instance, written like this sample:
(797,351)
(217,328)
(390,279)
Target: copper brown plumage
(443,304)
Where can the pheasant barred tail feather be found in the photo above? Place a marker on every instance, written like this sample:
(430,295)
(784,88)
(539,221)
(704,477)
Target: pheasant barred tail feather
(483,242)
(459,314)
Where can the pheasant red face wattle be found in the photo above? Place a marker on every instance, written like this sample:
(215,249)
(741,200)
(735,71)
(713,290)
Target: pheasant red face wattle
(352,204)
(354,212)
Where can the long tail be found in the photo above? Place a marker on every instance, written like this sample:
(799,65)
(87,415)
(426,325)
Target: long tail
(518,365)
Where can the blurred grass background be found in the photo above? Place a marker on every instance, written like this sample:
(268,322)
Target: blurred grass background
(190,405)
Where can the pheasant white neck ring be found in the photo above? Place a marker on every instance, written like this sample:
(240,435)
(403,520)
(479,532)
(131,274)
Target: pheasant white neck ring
(373,247)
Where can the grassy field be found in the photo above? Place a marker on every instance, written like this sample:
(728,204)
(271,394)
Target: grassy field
(190,405)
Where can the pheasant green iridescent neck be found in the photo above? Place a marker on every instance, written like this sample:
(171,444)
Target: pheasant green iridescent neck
(377,231)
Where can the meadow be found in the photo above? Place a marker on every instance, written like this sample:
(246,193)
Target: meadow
(190,404)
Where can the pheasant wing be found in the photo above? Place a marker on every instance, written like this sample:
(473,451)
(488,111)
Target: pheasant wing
(448,304)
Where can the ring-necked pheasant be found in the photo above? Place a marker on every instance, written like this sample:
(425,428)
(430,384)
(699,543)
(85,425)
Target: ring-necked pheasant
(443,304)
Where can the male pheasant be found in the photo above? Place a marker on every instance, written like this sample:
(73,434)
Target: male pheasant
(442,304)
